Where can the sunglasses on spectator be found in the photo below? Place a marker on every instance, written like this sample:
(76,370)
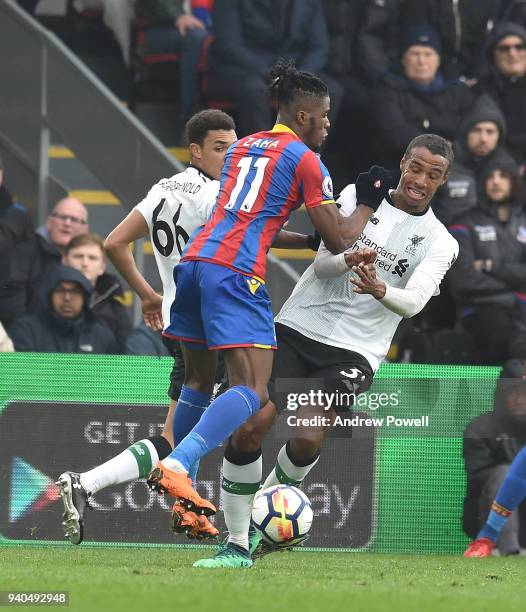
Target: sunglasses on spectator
(70,218)
(509,48)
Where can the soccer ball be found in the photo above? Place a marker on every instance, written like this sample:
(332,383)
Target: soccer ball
(282,514)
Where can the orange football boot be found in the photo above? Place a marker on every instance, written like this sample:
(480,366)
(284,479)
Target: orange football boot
(178,485)
(480,547)
(194,526)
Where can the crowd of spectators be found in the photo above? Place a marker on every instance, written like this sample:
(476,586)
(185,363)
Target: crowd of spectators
(395,69)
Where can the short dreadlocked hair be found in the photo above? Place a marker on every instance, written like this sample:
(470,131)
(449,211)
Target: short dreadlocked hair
(287,83)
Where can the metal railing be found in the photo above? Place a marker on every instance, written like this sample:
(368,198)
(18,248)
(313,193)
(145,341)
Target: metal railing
(45,88)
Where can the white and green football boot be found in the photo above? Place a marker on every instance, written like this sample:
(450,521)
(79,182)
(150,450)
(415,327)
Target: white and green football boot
(229,556)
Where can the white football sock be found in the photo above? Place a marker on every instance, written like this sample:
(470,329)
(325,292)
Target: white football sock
(137,461)
(286,472)
(239,487)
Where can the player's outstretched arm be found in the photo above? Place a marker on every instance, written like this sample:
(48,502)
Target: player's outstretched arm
(339,233)
(117,248)
(294,240)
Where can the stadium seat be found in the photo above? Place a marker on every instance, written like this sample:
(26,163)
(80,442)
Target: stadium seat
(152,76)
(86,32)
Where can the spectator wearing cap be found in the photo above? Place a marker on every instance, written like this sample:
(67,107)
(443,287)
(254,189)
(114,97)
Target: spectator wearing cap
(506,82)
(15,224)
(66,324)
(488,282)
(32,261)
(491,442)
(461,26)
(417,99)
(480,141)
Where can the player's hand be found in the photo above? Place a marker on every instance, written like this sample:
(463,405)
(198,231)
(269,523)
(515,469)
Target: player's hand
(366,282)
(188,22)
(373,186)
(365,256)
(152,311)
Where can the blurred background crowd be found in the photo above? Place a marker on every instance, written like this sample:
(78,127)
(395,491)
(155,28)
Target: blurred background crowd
(395,69)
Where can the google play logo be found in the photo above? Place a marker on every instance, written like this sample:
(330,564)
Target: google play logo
(30,490)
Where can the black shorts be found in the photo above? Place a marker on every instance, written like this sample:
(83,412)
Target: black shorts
(303,365)
(177,373)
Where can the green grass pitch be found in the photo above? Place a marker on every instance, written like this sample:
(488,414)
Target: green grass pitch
(161,579)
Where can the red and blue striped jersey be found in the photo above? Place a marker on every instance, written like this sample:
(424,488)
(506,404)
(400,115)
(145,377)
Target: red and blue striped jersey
(264,178)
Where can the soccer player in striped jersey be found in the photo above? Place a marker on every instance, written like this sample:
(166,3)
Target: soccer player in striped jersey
(221,300)
(338,324)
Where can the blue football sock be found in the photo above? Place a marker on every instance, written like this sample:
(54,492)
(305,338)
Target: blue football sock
(511,493)
(190,407)
(224,415)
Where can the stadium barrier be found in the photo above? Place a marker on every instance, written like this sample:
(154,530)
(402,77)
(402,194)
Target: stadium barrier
(383,485)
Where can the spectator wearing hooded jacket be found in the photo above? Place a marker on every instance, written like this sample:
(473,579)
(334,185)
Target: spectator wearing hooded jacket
(506,82)
(86,254)
(482,133)
(491,442)
(489,278)
(66,325)
(418,100)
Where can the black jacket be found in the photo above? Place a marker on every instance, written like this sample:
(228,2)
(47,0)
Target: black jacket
(343,19)
(384,23)
(513,10)
(508,93)
(401,110)
(491,439)
(15,224)
(106,305)
(482,236)
(465,186)
(30,264)
(145,341)
(48,333)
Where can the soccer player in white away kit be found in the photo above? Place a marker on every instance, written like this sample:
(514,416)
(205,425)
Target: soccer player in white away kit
(171,211)
(339,322)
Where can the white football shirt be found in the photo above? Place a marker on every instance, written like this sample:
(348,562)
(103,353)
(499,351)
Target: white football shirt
(173,209)
(328,311)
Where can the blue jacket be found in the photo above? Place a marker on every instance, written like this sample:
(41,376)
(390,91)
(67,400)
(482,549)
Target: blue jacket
(247,39)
